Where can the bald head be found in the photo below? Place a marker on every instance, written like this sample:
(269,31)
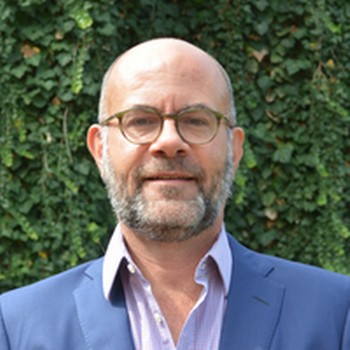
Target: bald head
(165,57)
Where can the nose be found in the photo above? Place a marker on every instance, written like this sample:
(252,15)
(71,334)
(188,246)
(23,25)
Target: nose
(169,143)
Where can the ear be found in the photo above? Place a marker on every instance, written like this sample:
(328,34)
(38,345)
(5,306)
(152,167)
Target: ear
(237,146)
(95,145)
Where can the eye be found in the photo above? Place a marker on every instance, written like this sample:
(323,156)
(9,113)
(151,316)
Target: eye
(195,122)
(140,120)
(196,119)
(143,121)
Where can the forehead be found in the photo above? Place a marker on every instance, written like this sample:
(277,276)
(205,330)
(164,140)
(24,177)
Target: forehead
(165,74)
(165,55)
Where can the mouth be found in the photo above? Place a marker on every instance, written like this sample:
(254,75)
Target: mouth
(170,185)
(170,177)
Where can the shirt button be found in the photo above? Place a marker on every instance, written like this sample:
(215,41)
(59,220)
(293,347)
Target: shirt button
(131,268)
(158,317)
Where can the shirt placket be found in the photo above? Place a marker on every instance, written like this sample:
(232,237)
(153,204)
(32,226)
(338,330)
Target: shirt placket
(189,332)
(158,318)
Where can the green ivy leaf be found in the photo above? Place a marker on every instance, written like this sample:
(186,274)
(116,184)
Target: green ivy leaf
(262,27)
(295,65)
(264,82)
(19,71)
(283,154)
(261,4)
(82,19)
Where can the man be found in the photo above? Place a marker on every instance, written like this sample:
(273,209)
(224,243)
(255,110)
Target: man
(167,148)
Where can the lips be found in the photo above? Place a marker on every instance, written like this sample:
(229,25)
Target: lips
(169,177)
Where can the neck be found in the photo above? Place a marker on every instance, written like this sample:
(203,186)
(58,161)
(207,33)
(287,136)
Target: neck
(170,258)
(170,269)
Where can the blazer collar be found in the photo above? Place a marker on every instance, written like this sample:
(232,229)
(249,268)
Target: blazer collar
(101,319)
(254,302)
(253,306)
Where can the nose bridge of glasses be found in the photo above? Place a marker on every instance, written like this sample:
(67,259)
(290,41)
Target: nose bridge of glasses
(169,141)
(169,120)
(171,116)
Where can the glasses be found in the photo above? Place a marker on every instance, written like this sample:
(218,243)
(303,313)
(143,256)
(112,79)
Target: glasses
(196,125)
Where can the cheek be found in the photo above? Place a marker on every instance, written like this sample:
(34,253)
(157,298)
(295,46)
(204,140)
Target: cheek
(216,164)
(121,152)
(217,151)
(125,158)
(212,164)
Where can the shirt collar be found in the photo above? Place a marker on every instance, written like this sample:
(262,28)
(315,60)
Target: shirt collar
(117,251)
(221,253)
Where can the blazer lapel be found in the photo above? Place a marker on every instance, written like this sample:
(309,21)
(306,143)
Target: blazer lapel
(253,304)
(105,324)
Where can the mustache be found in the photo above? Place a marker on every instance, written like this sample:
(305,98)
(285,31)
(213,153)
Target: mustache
(177,164)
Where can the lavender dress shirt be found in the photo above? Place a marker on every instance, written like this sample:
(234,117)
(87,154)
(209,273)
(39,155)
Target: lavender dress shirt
(202,328)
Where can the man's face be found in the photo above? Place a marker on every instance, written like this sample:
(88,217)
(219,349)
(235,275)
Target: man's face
(174,199)
(167,190)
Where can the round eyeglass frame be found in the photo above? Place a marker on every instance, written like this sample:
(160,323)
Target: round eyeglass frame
(176,116)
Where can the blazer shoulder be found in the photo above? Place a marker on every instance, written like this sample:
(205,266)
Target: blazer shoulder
(45,291)
(290,273)
(313,306)
(45,312)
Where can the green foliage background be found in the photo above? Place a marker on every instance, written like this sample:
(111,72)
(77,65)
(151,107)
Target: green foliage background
(290,66)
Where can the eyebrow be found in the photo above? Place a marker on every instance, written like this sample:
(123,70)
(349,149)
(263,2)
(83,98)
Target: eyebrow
(196,105)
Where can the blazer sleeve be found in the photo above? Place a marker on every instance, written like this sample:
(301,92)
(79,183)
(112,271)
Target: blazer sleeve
(4,343)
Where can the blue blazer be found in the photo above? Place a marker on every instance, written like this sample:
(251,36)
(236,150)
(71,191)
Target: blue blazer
(273,304)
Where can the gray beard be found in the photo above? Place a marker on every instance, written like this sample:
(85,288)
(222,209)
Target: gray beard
(169,219)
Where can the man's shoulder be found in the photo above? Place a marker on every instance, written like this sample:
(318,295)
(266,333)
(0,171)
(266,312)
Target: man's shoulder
(46,312)
(59,285)
(287,272)
(275,292)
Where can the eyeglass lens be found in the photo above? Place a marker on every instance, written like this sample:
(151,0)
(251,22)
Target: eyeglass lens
(195,126)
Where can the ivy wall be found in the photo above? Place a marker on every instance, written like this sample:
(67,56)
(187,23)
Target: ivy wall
(290,66)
